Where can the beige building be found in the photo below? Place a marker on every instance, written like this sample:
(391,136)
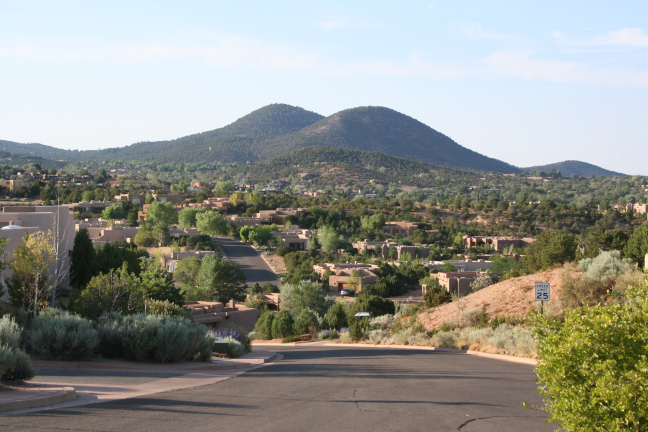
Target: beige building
(172,198)
(12,185)
(345,275)
(93,206)
(466,265)
(133,198)
(241,221)
(294,238)
(217,315)
(18,221)
(402,228)
(102,231)
(497,243)
(457,283)
(279,215)
(382,249)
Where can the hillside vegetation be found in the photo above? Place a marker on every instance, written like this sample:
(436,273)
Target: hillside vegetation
(571,168)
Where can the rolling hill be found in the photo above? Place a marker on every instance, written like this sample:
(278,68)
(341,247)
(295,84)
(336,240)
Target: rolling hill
(279,128)
(571,167)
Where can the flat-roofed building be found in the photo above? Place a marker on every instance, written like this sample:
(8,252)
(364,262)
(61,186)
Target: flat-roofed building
(401,228)
(344,275)
(497,243)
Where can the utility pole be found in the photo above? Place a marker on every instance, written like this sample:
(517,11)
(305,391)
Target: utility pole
(56,240)
(36,295)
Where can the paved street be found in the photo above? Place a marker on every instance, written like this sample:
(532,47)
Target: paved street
(328,388)
(249,261)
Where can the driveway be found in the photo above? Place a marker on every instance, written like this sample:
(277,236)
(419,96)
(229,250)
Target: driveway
(248,260)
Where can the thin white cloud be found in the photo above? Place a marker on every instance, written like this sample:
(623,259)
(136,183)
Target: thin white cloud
(524,65)
(476,31)
(232,51)
(626,37)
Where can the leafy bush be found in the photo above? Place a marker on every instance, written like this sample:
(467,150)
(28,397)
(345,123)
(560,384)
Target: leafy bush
(599,276)
(15,364)
(358,328)
(373,304)
(263,326)
(336,317)
(593,368)
(305,320)
(505,339)
(283,325)
(60,335)
(165,307)
(234,346)
(156,338)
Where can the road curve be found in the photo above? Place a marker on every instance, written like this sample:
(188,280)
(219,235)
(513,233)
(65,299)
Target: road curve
(328,388)
(248,260)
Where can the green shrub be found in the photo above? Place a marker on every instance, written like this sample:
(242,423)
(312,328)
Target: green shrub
(282,326)
(155,338)
(436,295)
(263,326)
(235,347)
(373,304)
(336,317)
(165,307)
(593,368)
(305,320)
(60,335)
(358,327)
(15,364)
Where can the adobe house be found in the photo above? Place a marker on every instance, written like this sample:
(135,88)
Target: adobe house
(18,221)
(294,238)
(172,198)
(497,243)
(341,275)
(457,283)
(402,228)
(279,215)
(216,315)
(133,198)
(381,249)
(466,265)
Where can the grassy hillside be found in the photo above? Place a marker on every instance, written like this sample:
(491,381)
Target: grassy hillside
(332,166)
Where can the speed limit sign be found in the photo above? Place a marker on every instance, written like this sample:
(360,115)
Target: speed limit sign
(542,292)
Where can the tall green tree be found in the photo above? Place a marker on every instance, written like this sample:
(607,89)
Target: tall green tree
(82,260)
(220,279)
(211,223)
(328,238)
(187,216)
(186,272)
(550,248)
(162,213)
(637,246)
(113,212)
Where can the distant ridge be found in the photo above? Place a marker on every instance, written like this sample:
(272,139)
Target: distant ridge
(571,168)
(276,129)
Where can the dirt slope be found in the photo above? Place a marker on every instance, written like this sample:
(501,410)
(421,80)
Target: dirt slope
(513,297)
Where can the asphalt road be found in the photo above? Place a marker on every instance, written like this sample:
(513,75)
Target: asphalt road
(249,261)
(328,389)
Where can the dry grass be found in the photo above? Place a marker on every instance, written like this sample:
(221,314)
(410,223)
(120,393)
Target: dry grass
(276,262)
(512,298)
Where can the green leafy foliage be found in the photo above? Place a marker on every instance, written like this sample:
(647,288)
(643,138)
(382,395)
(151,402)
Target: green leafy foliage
(549,249)
(15,364)
(282,326)
(593,367)
(113,212)
(263,326)
(220,280)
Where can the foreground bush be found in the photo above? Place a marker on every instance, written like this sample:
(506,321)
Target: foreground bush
(60,335)
(263,326)
(593,368)
(505,339)
(305,321)
(282,326)
(155,338)
(15,364)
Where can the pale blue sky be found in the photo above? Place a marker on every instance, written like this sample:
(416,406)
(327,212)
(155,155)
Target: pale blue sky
(525,82)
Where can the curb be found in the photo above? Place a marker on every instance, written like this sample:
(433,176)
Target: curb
(105,366)
(66,394)
(501,357)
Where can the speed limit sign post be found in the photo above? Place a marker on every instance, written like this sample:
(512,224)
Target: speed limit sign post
(542,293)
